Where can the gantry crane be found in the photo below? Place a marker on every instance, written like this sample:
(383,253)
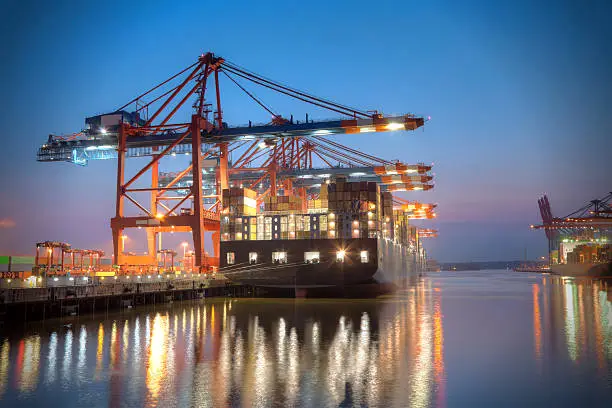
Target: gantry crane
(593,221)
(283,154)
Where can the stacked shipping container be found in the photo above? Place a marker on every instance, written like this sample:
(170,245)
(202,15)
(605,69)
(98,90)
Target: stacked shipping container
(343,210)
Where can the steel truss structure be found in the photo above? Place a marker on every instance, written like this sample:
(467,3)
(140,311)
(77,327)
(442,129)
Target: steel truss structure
(283,154)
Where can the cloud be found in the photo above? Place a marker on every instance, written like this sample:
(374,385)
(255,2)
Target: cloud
(6,223)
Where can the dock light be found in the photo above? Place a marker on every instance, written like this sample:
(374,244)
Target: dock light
(101,277)
(55,279)
(115,277)
(158,276)
(159,216)
(395,126)
(149,276)
(70,278)
(138,276)
(8,280)
(340,255)
(103,130)
(84,278)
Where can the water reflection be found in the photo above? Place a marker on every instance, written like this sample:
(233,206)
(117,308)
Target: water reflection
(537,324)
(28,360)
(156,365)
(4,365)
(259,353)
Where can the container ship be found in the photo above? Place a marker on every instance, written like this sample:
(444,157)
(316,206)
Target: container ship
(285,203)
(349,235)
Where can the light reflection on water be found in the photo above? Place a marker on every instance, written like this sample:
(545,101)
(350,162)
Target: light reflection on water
(420,348)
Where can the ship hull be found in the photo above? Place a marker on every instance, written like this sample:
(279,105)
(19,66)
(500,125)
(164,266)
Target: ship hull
(582,269)
(387,263)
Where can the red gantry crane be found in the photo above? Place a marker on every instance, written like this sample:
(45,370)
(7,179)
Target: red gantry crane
(287,155)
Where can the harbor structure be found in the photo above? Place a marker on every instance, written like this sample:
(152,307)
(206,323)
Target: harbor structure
(291,184)
(579,243)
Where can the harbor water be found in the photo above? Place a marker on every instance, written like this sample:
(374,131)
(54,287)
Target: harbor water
(450,339)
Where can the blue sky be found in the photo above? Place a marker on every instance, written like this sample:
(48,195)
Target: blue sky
(519,94)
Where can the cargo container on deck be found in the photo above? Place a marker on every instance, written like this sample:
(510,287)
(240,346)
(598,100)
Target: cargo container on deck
(346,234)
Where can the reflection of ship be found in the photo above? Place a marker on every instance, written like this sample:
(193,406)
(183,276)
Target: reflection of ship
(579,242)
(340,242)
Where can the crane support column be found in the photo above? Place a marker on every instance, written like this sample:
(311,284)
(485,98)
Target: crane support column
(151,234)
(116,230)
(197,226)
(223,165)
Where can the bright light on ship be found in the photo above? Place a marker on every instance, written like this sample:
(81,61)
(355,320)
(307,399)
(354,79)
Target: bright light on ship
(321,132)
(367,129)
(103,131)
(340,255)
(262,145)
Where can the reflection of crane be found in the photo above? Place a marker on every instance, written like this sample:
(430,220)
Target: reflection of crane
(280,154)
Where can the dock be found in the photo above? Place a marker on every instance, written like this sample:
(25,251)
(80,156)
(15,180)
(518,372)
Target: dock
(19,305)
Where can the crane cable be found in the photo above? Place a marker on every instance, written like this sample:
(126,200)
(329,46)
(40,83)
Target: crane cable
(355,111)
(269,110)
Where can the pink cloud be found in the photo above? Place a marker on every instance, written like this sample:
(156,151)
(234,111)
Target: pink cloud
(6,223)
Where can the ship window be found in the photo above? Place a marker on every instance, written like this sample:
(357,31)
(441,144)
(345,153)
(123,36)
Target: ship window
(364,256)
(311,257)
(279,257)
(340,255)
(231,258)
(252,257)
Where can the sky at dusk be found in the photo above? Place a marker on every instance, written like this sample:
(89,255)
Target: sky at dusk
(519,94)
